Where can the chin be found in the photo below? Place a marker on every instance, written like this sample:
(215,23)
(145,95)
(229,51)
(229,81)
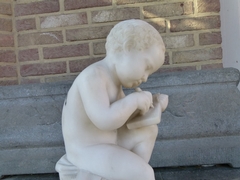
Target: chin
(132,85)
(128,85)
(135,86)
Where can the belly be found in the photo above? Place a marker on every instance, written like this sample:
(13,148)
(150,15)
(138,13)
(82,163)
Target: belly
(83,133)
(78,129)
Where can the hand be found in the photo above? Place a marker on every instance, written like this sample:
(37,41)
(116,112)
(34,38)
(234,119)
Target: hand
(162,99)
(144,101)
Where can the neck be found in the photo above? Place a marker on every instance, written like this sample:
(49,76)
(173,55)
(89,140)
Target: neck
(111,67)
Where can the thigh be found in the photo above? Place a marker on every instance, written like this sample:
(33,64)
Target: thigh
(112,162)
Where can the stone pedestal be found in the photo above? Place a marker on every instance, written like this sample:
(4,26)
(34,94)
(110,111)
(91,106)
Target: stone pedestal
(200,126)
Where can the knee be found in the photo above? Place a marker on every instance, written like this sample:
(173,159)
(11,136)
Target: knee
(152,132)
(148,173)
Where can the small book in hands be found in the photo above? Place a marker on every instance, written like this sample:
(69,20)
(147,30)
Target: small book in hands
(153,116)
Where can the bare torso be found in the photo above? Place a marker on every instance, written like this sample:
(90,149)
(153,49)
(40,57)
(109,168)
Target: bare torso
(80,130)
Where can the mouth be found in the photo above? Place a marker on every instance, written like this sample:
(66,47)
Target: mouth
(136,84)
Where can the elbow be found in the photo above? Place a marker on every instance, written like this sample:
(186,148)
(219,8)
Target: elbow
(106,125)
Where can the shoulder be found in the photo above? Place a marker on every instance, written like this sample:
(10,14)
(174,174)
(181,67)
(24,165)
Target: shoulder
(95,73)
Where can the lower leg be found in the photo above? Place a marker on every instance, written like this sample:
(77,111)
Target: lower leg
(144,149)
(145,146)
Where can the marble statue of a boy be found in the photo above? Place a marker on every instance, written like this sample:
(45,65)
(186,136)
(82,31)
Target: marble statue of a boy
(98,143)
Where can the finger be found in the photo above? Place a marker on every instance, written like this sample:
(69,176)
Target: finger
(164,101)
(145,108)
(150,96)
(156,97)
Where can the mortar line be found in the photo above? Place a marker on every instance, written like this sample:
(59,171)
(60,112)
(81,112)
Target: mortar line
(141,12)
(114,3)
(38,23)
(91,48)
(61,7)
(89,17)
(170,57)
(195,7)
(15,35)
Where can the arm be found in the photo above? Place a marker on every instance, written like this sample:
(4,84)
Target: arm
(95,98)
(153,116)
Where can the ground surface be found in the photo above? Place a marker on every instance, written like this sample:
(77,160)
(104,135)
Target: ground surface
(184,173)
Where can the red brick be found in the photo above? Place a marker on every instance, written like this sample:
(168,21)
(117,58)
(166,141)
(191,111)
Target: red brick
(40,38)
(6,40)
(8,71)
(5,9)
(159,25)
(166,60)
(7,56)
(176,69)
(116,14)
(8,82)
(179,41)
(25,24)
(197,55)
(198,23)
(119,2)
(88,33)
(212,66)
(39,7)
(210,38)
(167,10)
(99,48)
(28,55)
(66,51)
(208,6)
(5,25)
(80,4)
(79,65)
(64,20)
(43,69)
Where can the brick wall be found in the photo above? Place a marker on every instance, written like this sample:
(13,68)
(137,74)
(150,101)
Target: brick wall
(53,40)
(8,68)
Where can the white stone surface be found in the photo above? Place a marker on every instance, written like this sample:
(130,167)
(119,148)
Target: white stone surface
(230,29)
(30,122)
(96,111)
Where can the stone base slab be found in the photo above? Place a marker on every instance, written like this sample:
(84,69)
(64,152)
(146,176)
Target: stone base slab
(200,126)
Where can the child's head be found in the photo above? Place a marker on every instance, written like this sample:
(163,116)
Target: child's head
(133,35)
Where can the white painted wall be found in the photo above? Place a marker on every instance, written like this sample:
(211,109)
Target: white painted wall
(230,28)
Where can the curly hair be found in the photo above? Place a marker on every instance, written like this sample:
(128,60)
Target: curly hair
(131,35)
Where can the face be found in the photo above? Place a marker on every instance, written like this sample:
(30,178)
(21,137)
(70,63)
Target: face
(134,67)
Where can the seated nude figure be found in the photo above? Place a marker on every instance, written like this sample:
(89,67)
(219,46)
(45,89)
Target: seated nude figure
(98,142)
